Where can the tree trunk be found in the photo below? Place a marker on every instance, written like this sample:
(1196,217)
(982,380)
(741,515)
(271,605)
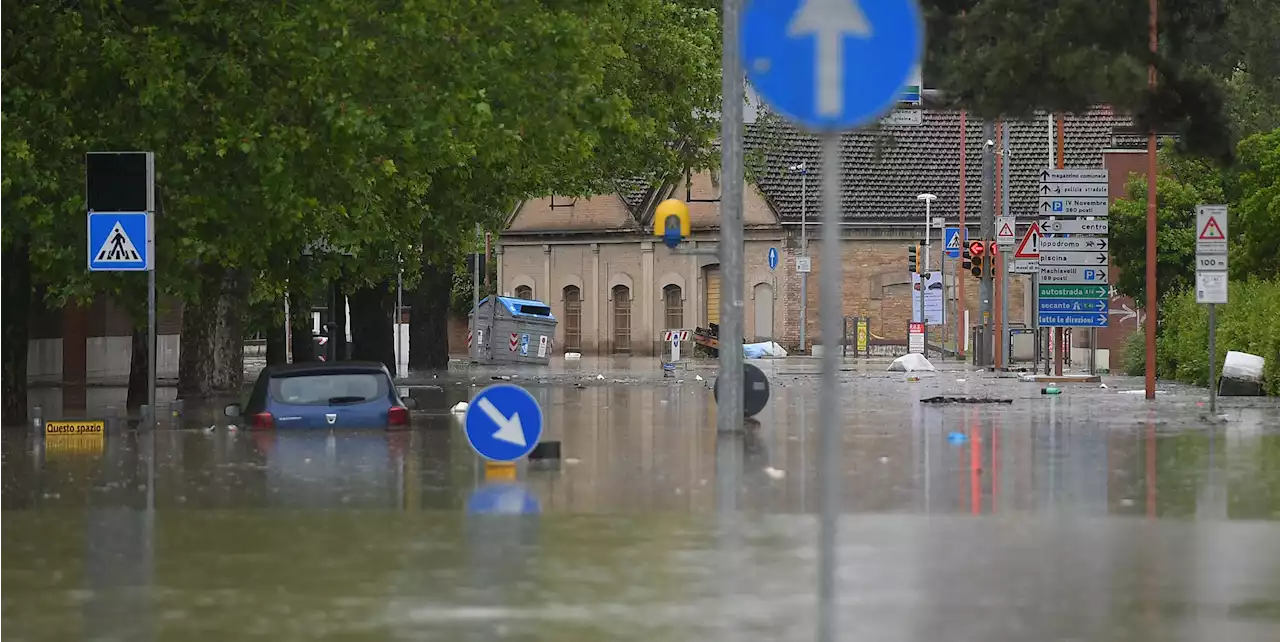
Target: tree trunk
(212,355)
(372,333)
(138,365)
(276,345)
(304,347)
(429,319)
(16,287)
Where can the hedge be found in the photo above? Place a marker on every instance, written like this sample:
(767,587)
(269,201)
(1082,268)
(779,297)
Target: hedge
(1249,323)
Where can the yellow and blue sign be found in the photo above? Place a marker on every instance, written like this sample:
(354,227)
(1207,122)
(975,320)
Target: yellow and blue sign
(671,222)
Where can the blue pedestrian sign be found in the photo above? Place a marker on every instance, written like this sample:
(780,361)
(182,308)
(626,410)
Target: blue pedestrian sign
(503,499)
(773,258)
(503,422)
(831,65)
(951,239)
(120,242)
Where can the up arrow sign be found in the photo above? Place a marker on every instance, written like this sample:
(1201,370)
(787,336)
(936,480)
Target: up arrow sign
(829,21)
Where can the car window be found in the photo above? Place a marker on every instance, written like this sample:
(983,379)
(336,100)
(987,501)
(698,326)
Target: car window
(327,389)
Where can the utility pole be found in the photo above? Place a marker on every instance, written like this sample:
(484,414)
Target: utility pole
(729,414)
(987,232)
(1007,255)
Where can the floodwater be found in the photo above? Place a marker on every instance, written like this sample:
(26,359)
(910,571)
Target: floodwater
(1084,516)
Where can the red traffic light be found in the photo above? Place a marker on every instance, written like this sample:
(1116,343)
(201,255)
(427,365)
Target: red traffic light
(976,248)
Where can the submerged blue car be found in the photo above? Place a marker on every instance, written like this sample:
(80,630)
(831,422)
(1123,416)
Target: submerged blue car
(347,394)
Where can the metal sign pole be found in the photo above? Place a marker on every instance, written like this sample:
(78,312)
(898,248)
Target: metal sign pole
(804,249)
(730,413)
(829,402)
(475,299)
(1213,356)
(151,293)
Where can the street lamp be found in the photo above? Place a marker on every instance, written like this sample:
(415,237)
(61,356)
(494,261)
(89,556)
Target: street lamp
(803,169)
(928,200)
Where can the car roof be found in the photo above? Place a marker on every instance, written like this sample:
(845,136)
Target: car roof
(323,368)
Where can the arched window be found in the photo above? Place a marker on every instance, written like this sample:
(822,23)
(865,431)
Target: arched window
(572,318)
(524,292)
(621,319)
(673,307)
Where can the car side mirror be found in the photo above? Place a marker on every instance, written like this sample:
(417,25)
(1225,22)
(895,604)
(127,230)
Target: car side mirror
(231,410)
(409,402)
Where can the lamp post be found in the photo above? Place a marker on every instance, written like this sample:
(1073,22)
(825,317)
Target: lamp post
(928,222)
(804,244)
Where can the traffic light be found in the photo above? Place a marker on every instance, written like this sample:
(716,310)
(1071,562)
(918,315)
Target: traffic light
(966,259)
(912,263)
(976,259)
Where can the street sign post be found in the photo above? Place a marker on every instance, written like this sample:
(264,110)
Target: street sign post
(1071,274)
(1075,271)
(1026,259)
(1059,226)
(1006,232)
(1073,320)
(1058,206)
(1211,277)
(773,258)
(120,198)
(828,66)
(503,422)
(1059,257)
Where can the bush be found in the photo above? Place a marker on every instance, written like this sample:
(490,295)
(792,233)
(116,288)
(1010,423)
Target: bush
(1250,323)
(1135,353)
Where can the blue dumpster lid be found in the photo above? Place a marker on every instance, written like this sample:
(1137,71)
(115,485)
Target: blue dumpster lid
(526,308)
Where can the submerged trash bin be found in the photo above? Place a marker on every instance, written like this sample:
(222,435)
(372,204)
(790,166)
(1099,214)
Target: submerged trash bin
(513,331)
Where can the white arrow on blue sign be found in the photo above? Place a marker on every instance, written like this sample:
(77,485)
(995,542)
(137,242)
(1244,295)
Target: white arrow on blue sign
(1072,305)
(773,258)
(120,242)
(831,65)
(1072,320)
(503,422)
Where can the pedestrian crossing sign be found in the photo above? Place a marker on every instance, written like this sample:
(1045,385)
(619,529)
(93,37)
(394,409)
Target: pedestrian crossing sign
(120,242)
(952,242)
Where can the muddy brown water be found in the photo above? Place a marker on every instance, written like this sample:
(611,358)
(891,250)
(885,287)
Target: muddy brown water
(1087,516)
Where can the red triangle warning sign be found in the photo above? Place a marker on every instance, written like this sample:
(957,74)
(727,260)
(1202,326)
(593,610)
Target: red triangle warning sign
(1029,248)
(1006,231)
(1212,231)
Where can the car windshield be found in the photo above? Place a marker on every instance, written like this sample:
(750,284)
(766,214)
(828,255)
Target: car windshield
(328,388)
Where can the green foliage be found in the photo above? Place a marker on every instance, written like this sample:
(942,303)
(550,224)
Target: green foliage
(1247,324)
(1255,207)
(1184,182)
(1135,354)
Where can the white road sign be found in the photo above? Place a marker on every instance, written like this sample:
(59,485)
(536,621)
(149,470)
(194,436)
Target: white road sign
(1006,231)
(804,264)
(1074,175)
(1073,227)
(1211,287)
(903,118)
(1073,274)
(1211,263)
(1094,190)
(1025,266)
(1211,229)
(1073,206)
(1059,257)
(1077,243)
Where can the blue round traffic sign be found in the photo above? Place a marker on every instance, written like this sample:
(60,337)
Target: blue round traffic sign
(503,422)
(503,499)
(831,65)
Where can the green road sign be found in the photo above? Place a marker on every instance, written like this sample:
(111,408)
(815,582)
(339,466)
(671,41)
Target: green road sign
(1073,291)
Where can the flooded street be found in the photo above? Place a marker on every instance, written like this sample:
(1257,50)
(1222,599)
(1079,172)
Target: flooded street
(1084,516)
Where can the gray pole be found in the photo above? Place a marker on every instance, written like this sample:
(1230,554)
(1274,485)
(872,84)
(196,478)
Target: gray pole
(923,317)
(1213,357)
(942,265)
(729,414)
(1006,255)
(829,402)
(804,249)
(987,232)
(399,312)
(151,294)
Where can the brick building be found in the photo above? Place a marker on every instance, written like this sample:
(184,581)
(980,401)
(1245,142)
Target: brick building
(615,287)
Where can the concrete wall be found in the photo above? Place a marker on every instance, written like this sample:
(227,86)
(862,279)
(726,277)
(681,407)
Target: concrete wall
(106,358)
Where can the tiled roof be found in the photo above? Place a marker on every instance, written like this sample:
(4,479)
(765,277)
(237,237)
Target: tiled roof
(633,190)
(885,169)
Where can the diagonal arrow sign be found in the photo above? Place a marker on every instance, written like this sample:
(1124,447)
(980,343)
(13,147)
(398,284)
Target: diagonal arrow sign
(509,430)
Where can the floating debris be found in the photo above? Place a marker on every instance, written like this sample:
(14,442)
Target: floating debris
(952,399)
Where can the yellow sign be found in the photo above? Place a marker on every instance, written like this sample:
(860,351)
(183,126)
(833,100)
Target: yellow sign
(75,427)
(85,443)
(499,471)
(862,335)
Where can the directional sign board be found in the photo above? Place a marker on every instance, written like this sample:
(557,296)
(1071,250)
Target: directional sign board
(1056,206)
(773,258)
(1006,231)
(1073,305)
(503,422)
(1073,274)
(831,65)
(1073,175)
(120,242)
(1074,291)
(951,242)
(1058,257)
(1073,320)
(1074,227)
(1057,190)
(1076,243)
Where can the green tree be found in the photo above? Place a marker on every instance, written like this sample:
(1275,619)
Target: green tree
(1183,183)
(1255,207)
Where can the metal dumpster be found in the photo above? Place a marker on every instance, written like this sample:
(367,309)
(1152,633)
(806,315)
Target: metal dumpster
(513,331)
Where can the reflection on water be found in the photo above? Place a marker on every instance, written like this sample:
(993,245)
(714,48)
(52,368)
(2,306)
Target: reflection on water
(656,527)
